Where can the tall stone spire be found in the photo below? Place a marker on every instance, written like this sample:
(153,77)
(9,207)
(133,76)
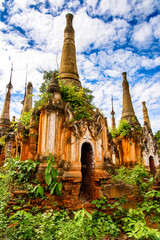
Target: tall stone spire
(5,115)
(27,98)
(145,114)
(127,111)
(68,68)
(113,123)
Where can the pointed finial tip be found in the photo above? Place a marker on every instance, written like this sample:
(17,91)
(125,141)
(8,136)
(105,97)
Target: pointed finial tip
(69,15)
(124,76)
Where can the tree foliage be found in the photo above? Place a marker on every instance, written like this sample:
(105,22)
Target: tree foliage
(124,129)
(157,137)
(80,99)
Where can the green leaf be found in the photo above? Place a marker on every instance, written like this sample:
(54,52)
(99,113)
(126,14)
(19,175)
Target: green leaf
(60,187)
(103,207)
(54,173)
(53,188)
(48,178)
(94,202)
(88,215)
(40,190)
(48,168)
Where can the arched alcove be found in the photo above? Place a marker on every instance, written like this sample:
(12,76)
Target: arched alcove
(87,169)
(152,165)
(19,150)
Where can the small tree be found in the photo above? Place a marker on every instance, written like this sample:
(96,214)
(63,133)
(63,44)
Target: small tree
(157,137)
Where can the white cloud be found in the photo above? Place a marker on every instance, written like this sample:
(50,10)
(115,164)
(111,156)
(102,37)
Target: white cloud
(150,63)
(73,4)
(144,8)
(112,73)
(142,34)
(95,31)
(93,34)
(155,22)
(115,7)
(56,4)
(2,5)
(91,3)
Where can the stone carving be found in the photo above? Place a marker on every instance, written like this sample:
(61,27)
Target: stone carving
(68,112)
(149,142)
(95,125)
(79,128)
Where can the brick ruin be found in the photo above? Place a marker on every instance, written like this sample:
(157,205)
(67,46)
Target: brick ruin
(83,150)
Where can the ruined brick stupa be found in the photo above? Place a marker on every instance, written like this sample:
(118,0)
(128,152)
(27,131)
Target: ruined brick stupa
(81,148)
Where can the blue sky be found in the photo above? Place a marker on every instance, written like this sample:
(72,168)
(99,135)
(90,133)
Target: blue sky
(112,36)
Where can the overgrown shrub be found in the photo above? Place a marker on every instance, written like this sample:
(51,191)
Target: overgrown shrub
(136,176)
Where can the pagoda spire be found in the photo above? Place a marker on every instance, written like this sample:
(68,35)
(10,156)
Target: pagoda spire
(145,114)
(113,123)
(127,111)
(27,98)
(68,67)
(5,115)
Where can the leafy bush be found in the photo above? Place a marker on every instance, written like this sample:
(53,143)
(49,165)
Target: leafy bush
(51,175)
(4,197)
(79,99)
(2,141)
(134,225)
(60,225)
(20,171)
(124,129)
(44,95)
(25,119)
(157,137)
(137,176)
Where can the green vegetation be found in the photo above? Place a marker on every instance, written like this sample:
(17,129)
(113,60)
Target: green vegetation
(134,224)
(25,119)
(136,176)
(125,128)
(20,171)
(2,141)
(108,219)
(80,99)
(51,175)
(22,175)
(157,137)
(44,95)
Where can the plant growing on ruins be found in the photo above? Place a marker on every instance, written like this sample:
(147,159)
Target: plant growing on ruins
(100,203)
(51,176)
(157,137)
(137,176)
(25,119)
(79,99)
(20,171)
(2,141)
(124,129)
(44,95)
(151,205)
